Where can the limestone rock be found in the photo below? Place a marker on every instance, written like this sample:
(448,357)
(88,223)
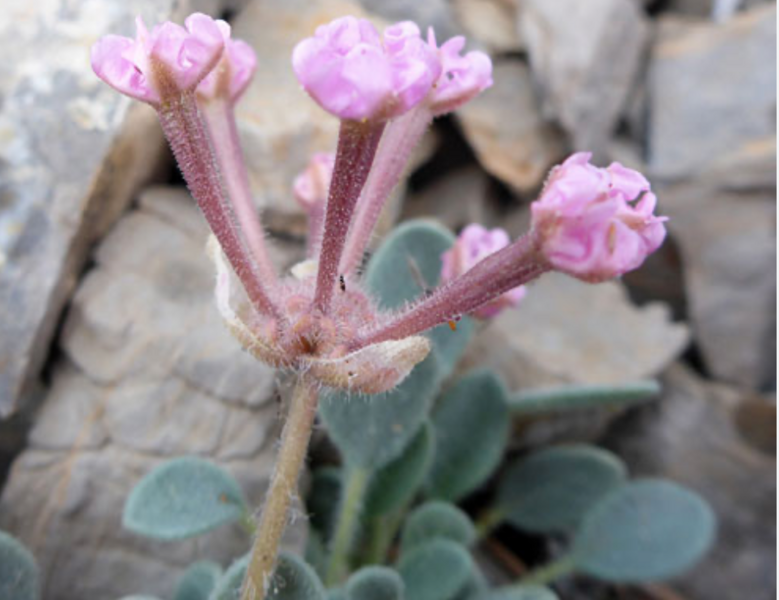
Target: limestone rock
(710,114)
(149,373)
(490,24)
(430,13)
(728,246)
(569,331)
(512,140)
(695,436)
(585,58)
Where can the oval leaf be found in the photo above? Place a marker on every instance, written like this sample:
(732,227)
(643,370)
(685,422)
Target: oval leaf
(19,578)
(573,397)
(396,483)
(552,490)
(471,424)
(438,570)
(198,581)
(521,592)
(375,583)
(371,431)
(436,520)
(408,265)
(182,498)
(293,579)
(644,531)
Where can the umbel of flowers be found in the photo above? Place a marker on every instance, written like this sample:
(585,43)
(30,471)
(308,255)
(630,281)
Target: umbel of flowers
(318,321)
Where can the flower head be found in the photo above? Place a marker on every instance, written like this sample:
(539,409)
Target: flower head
(473,245)
(232,74)
(462,77)
(311,186)
(354,73)
(595,223)
(159,64)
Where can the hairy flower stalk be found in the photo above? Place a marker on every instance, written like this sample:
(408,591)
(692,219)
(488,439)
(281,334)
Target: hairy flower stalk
(318,321)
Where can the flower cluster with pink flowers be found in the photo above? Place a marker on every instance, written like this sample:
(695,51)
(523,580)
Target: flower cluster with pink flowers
(386,88)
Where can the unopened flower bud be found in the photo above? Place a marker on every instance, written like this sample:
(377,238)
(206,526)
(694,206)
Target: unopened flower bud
(595,223)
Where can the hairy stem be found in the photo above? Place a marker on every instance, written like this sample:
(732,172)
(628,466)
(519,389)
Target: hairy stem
(397,144)
(346,524)
(219,116)
(183,127)
(357,144)
(506,269)
(283,486)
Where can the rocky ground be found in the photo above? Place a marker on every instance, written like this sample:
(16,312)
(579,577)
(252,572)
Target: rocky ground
(112,357)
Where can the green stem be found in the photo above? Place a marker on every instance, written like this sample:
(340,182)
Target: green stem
(346,525)
(273,520)
(488,521)
(549,573)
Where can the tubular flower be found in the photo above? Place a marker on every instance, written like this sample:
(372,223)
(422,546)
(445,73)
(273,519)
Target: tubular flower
(355,74)
(157,65)
(233,73)
(462,77)
(595,223)
(473,245)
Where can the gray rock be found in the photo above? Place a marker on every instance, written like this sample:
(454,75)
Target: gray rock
(728,246)
(490,23)
(717,10)
(695,435)
(512,140)
(149,373)
(431,13)
(569,331)
(72,153)
(710,114)
(585,58)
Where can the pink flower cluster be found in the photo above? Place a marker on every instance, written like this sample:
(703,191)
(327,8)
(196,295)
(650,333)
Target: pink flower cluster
(355,73)
(157,66)
(595,223)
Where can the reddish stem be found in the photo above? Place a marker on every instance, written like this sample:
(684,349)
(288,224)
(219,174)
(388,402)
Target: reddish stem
(508,268)
(357,144)
(183,127)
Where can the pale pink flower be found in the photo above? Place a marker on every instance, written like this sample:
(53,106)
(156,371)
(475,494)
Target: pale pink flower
(157,64)
(351,72)
(310,186)
(462,77)
(473,245)
(232,74)
(595,223)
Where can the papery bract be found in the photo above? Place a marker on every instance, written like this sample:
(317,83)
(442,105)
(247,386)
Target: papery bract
(352,73)
(473,245)
(232,74)
(462,77)
(595,223)
(157,65)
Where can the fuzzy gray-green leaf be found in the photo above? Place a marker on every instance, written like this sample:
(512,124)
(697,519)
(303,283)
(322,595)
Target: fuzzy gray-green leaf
(520,592)
(198,581)
(436,520)
(646,530)
(371,431)
(552,490)
(472,427)
(438,570)
(408,265)
(396,483)
(19,577)
(375,583)
(182,498)
(573,397)
(293,579)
